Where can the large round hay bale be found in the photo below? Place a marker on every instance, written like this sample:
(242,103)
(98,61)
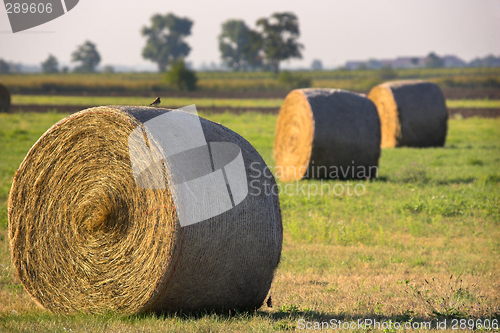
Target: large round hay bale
(4,99)
(412,113)
(86,237)
(326,133)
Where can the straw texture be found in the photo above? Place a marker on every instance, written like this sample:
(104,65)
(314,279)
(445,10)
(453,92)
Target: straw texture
(326,133)
(85,238)
(4,99)
(412,113)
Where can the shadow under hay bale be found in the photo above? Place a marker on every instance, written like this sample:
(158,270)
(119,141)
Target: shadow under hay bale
(86,238)
(4,99)
(327,133)
(412,113)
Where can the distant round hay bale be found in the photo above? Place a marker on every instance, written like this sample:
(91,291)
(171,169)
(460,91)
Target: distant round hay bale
(86,238)
(4,99)
(326,133)
(412,113)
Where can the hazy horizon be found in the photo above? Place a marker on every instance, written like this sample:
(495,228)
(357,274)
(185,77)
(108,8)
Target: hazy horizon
(333,32)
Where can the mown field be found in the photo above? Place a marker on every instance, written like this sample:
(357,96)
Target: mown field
(419,243)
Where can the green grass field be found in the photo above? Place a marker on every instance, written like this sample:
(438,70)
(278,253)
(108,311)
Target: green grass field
(421,242)
(476,103)
(165,101)
(201,102)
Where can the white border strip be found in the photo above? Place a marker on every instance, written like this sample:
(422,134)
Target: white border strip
(64,6)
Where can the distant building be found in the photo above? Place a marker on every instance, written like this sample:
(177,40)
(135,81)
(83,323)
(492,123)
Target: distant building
(374,64)
(352,65)
(407,62)
(398,63)
(317,65)
(488,61)
(451,61)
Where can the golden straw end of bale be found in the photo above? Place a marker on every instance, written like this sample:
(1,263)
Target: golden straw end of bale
(86,238)
(321,133)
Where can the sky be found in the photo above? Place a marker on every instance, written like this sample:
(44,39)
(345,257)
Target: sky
(333,31)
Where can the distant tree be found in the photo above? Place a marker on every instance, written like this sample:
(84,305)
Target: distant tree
(88,56)
(373,64)
(165,39)
(4,67)
(10,67)
(65,69)
(363,66)
(279,38)
(239,45)
(491,61)
(51,65)
(253,50)
(488,61)
(232,40)
(433,61)
(294,81)
(181,77)
(317,65)
(108,69)
(414,61)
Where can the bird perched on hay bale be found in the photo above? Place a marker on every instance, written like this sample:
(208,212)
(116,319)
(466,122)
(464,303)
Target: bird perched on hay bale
(156,102)
(412,113)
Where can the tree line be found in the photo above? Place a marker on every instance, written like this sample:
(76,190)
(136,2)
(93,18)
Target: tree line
(241,47)
(264,47)
(273,40)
